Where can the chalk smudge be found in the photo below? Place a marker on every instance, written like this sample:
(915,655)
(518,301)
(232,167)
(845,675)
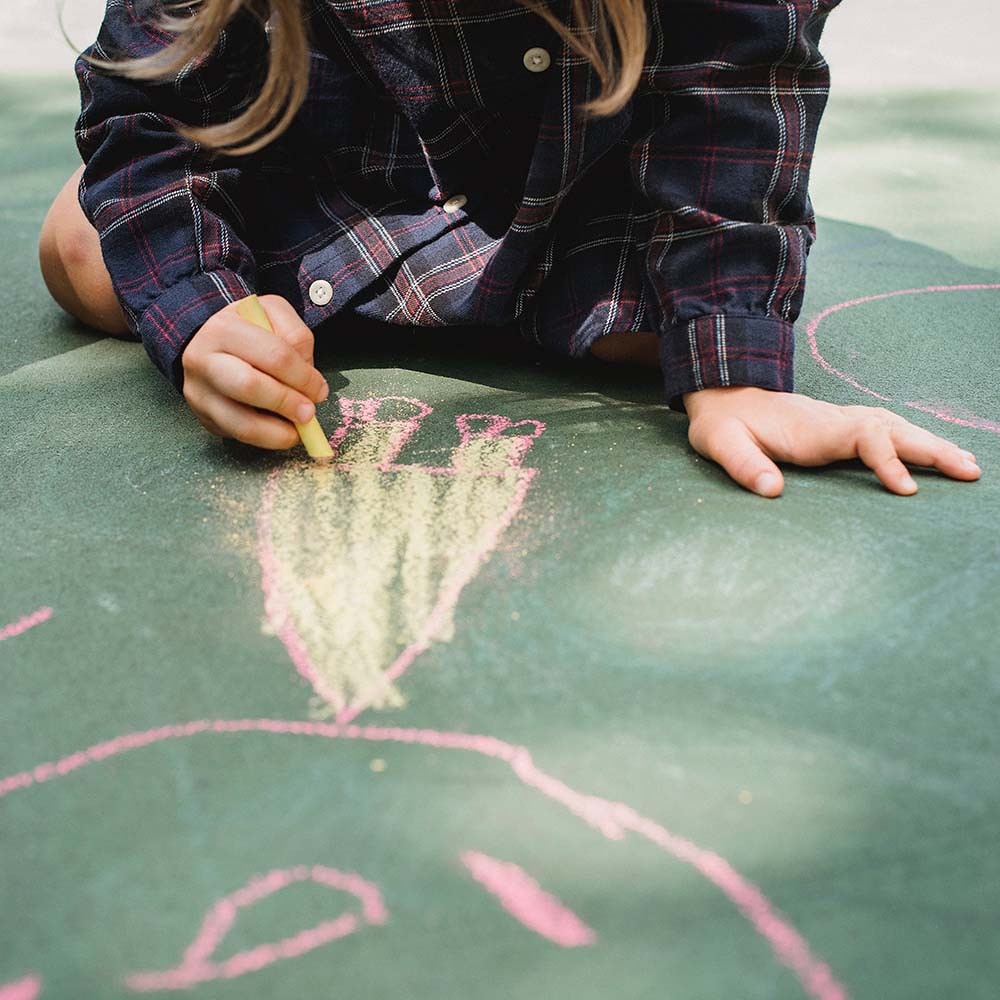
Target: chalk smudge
(946,413)
(197,966)
(613,820)
(22,625)
(527,902)
(363,562)
(27,988)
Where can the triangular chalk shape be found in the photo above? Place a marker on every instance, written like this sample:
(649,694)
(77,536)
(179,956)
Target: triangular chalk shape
(363,560)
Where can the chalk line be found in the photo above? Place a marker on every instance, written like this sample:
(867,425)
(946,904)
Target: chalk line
(22,625)
(973,421)
(611,819)
(23,989)
(977,423)
(197,966)
(527,902)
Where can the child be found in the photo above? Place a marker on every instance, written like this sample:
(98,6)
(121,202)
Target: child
(620,178)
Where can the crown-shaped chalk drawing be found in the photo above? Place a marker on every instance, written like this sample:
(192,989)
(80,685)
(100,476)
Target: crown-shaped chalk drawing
(363,560)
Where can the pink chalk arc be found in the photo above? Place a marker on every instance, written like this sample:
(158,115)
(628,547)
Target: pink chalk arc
(613,820)
(972,421)
(197,965)
(22,625)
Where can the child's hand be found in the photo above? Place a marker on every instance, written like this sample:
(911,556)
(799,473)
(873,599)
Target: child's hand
(233,370)
(744,428)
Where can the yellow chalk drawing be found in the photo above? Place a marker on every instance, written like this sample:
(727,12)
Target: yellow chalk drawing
(363,560)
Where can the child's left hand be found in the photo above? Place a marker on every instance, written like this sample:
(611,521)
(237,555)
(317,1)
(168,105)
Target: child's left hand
(743,428)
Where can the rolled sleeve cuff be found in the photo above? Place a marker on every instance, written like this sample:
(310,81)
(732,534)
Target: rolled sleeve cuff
(167,326)
(713,351)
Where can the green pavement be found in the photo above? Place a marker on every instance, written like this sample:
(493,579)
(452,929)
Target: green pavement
(806,688)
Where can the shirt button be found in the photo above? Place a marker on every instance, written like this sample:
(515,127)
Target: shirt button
(537,60)
(455,202)
(320,292)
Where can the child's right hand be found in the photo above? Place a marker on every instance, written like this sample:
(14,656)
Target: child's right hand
(233,370)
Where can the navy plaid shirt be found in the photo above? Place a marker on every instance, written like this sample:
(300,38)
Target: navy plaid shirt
(440,173)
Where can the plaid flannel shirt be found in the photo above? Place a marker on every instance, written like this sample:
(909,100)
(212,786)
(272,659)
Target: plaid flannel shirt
(440,173)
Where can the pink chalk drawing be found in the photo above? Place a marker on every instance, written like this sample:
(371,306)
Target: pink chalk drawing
(197,965)
(527,902)
(947,414)
(407,539)
(27,988)
(22,625)
(612,820)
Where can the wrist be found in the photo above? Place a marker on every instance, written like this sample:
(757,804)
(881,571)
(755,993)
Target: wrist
(702,399)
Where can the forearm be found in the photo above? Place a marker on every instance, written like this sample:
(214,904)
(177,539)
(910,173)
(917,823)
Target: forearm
(168,218)
(734,104)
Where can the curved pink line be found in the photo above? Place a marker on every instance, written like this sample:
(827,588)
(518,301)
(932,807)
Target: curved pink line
(364,412)
(611,819)
(978,423)
(197,967)
(22,625)
(527,902)
(23,989)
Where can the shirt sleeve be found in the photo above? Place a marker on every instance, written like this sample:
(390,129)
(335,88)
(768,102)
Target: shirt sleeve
(733,91)
(166,212)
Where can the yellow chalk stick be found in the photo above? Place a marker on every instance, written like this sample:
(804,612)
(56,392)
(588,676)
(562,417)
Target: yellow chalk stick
(311,434)
(315,441)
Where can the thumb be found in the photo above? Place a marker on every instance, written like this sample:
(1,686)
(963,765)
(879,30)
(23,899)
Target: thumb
(730,443)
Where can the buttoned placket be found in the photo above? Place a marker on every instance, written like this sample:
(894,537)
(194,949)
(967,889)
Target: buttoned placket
(536,60)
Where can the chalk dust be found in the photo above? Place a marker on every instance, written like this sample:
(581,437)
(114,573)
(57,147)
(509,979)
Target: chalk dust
(233,507)
(364,560)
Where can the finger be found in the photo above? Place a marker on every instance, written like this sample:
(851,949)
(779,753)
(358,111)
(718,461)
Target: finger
(920,447)
(210,425)
(876,449)
(268,353)
(234,378)
(730,443)
(195,395)
(288,325)
(236,420)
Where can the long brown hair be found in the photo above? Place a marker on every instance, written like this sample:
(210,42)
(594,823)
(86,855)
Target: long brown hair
(615,45)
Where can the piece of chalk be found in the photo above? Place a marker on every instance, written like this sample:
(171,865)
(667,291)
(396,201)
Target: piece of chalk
(311,434)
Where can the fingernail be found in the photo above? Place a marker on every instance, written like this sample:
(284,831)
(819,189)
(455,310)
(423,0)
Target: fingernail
(767,483)
(969,456)
(909,484)
(970,466)
(325,391)
(304,413)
